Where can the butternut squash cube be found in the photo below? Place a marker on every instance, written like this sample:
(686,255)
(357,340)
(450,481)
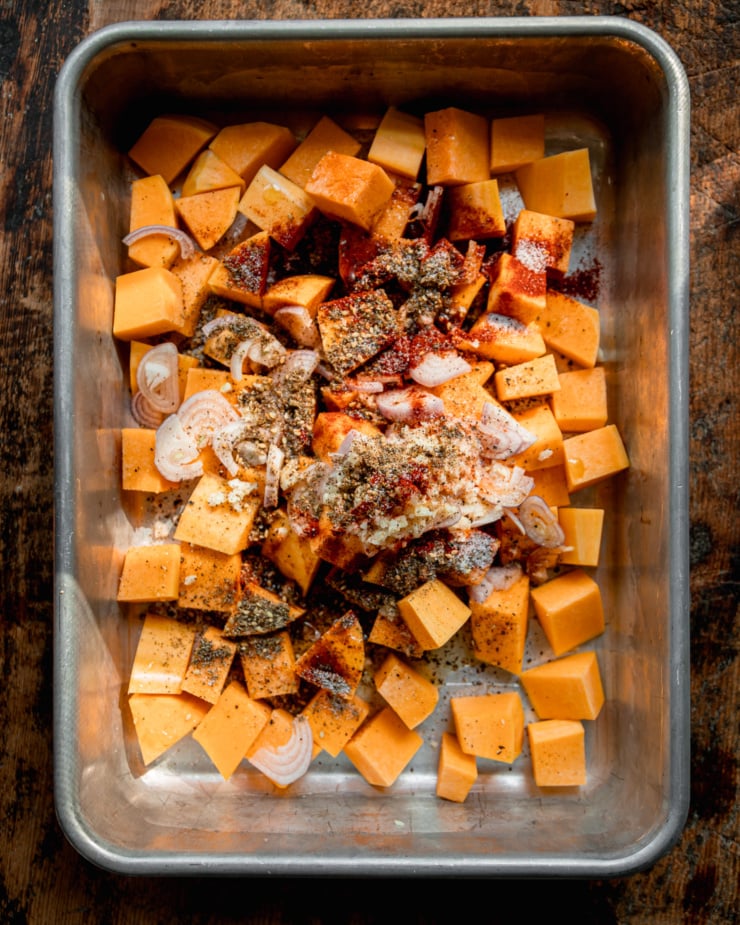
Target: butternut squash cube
(331,427)
(162,720)
(230,727)
(517,290)
(399,143)
(334,720)
(169,143)
(349,189)
(569,609)
(336,660)
(268,664)
(150,573)
(162,655)
(580,402)
(325,136)
(433,613)
(259,612)
(547,450)
(559,185)
(138,349)
(137,462)
(391,222)
(278,206)
(210,664)
(558,751)
(505,339)
(291,553)
(152,204)
(515,141)
(209,172)
(147,302)
(531,379)
(199,379)
(566,688)
(208,216)
(308,290)
(499,626)
(408,692)
(570,327)
(456,771)
(594,456)
(209,580)
(582,528)
(193,273)
(382,748)
(243,274)
(490,725)
(248,146)
(464,396)
(542,242)
(551,486)
(475,211)
(355,327)
(457,145)
(393,633)
(219,514)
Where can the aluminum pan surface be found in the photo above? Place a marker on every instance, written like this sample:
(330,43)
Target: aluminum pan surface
(172,820)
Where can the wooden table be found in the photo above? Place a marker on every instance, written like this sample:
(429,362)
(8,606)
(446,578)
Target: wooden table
(42,879)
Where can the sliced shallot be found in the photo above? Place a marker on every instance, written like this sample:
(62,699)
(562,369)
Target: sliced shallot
(409,405)
(187,245)
(273,466)
(224,441)
(540,523)
(175,451)
(497,578)
(204,413)
(285,764)
(501,434)
(145,414)
(306,361)
(436,368)
(298,322)
(157,377)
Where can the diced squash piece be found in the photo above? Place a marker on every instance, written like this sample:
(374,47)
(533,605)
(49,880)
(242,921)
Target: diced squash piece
(325,136)
(331,427)
(399,143)
(570,327)
(248,146)
(219,514)
(457,145)
(242,275)
(308,290)
(582,528)
(531,379)
(147,302)
(209,580)
(382,748)
(547,450)
(462,296)
(542,242)
(433,613)
(150,573)
(268,664)
(292,553)
(193,273)
(464,396)
(137,462)
(259,611)
(210,664)
(580,402)
(407,691)
(456,771)
(162,655)
(152,204)
(566,688)
(336,660)
(162,720)
(278,206)
(551,486)
(499,626)
(569,609)
(230,727)
(475,211)
(559,185)
(594,456)
(209,172)
(393,633)
(505,339)
(558,751)
(390,223)
(515,141)
(208,216)
(355,327)
(199,379)
(349,188)
(517,290)
(169,143)
(334,720)
(490,725)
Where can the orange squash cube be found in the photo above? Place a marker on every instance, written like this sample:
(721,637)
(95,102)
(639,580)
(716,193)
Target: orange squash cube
(517,290)
(210,664)
(209,580)
(150,573)
(566,688)
(456,771)
(278,206)
(349,189)
(542,242)
(530,379)
(594,456)
(558,751)
(162,655)
(408,692)
(559,185)
(580,402)
(547,450)
(208,216)
(325,136)
(162,720)
(433,613)
(147,302)
(334,720)
(490,725)
(219,514)
(382,748)
(248,146)
(169,143)
(399,143)
(138,472)
(457,144)
(569,609)
(210,172)
(515,141)
(582,528)
(499,626)
(152,204)
(475,211)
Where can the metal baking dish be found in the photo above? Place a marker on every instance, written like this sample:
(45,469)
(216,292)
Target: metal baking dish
(604,82)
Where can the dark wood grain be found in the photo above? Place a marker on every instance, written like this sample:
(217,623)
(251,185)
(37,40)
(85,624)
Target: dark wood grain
(42,879)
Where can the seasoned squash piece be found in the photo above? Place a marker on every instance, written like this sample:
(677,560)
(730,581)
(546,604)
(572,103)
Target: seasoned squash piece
(219,514)
(278,206)
(292,553)
(147,302)
(210,664)
(570,327)
(334,720)
(542,242)
(393,633)
(580,403)
(331,427)
(456,771)
(559,185)
(325,136)
(242,275)
(268,664)
(169,143)
(594,456)
(150,573)
(531,379)
(582,528)
(193,273)
(382,748)
(210,172)
(250,145)
(399,143)
(566,688)
(504,339)
(137,462)
(457,144)
(490,725)
(409,693)
(258,612)
(307,290)
(356,327)
(162,655)
(230,727)
(569,609)
(349,189)
(162,720)
(558,750)
(475,211)
(433,613)
(199,379)
(550,485)
(516,140)
(517,290)
(336,660)
(209,580)
(208,216)
(547,450)
(152,204)
(499,626)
